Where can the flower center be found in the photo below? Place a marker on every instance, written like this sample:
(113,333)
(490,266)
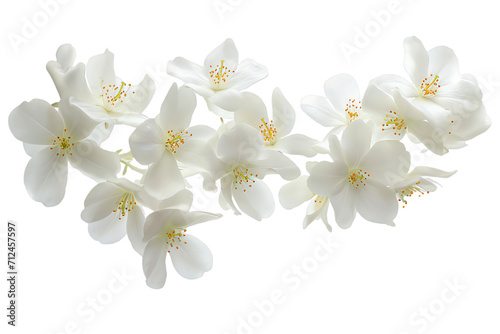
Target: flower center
(357,177)
(62,145)
(268,131)
(173,140)
(113,95)
(126,204)
(219,74)
(394,123)
(241,178)
(407,192)
(174,238)
(351,110)
(429,87)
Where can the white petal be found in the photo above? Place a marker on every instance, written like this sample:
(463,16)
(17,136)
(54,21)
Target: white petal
(196,155)
(45,177)
(356,141)
(35,122)
(147,142)
(429,171)
(78,125)
(252,111)
(416,60)
(444,62)
(93,161)
(226,185)
(163,178)
(295,193)
(188,72)
(320,110)
(378,102)
(193,218)
(283,114)
(342,90)
(135,228)
(343,205)
(94,111)
(297,144)
(177,109)
(192,259)
(459,95)
(276,162)
(241,144)
(100,68)
(101,201)
(376,203)
(335,148)
(226,52)
(157,221)
(255,199)
(65,56)
(227,99)
(386,161)
(181,201)
(153,262)
(326,176)
(110,229)
(248,73)
(135,103)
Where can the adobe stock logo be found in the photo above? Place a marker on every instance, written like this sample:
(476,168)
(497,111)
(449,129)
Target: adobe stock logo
(32,25)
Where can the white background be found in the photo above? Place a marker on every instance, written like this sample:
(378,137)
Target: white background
(378,278)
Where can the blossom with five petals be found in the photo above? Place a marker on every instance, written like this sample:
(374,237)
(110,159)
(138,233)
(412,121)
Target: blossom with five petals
(221,78)
(165,233)
(358,179)
(54,139)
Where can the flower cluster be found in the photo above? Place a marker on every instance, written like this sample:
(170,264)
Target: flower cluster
(369,171)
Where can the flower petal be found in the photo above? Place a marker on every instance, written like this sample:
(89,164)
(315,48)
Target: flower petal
(135,228)
(101,201)
(78,125)
(100,68)
(188,72)
(416,60)
(295,193)
(177,109)
(163,178)
(326,176)
(35,122)
(444,62)
(376,203)
(192,259)
(93,161)
(240,144)
(356,141)
(342,90)
(153,262)
(248,73)
(297,144)
(343,205)
(283,114)
(147,142)
(226,52)
(227,99)
(252,111)
(270,161)
(135,103)
(110,229)
(321,111)
(256,200)
(386,162)
(46,176)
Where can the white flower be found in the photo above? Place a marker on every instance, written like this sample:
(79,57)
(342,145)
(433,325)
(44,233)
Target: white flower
(339,108)
(450,101)
(394,116)
(60,137)
(115,208)
(275,132)
(296,192)
(165,233)
(414,183)
(166,139)
(221,78)
(244,162)
(358,178)
(106,97)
